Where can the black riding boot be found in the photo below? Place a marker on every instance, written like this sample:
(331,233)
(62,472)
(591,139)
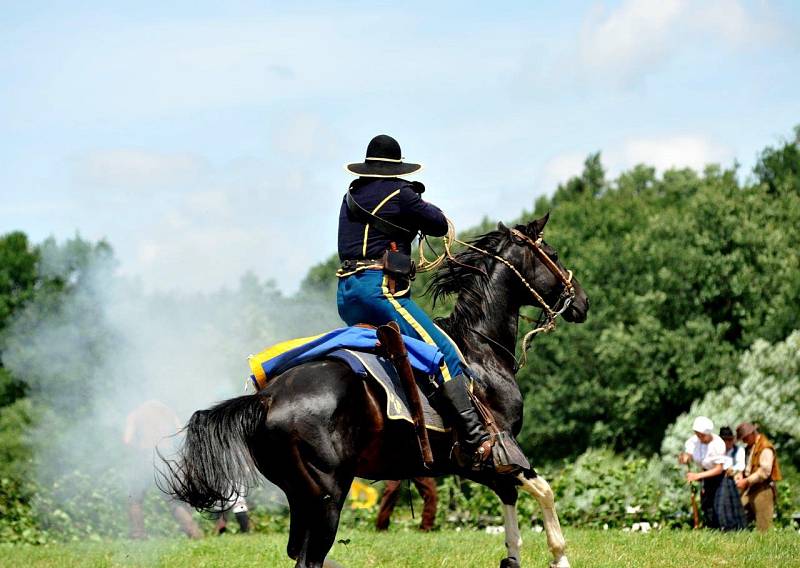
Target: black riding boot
(474,440)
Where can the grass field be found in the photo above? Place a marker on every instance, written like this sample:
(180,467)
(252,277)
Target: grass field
(587,548)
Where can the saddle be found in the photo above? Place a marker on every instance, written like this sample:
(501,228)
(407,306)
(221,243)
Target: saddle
(391,369)
(402,366)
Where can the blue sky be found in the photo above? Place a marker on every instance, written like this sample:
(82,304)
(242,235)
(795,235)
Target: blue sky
(202,141)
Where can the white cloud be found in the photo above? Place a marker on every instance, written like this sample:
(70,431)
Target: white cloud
(560,168)
(135,168)
(674,151)
(270,217)
(623,45)
(664,152)
(303,135)
(634,36)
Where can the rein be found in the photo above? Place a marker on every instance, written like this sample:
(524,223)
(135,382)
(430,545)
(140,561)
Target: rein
(547,322)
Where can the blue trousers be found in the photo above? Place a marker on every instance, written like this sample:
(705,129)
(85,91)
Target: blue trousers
(364,297)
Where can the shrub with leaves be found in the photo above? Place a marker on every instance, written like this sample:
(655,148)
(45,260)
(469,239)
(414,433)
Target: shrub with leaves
(769,395)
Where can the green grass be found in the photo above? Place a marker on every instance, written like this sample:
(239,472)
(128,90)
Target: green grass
(586,548)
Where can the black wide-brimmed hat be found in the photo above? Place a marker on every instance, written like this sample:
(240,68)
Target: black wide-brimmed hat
(726,433)
(384,159)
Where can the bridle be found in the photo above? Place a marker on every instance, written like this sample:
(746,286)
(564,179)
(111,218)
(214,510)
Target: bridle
(548,317)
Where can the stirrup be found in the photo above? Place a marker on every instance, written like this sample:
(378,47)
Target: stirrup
(507,456)
(478,459)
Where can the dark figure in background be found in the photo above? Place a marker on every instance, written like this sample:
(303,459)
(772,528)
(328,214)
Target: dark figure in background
(728,503)
(734,451)
(391,493)
(238,506)
(147,425)
(760,474)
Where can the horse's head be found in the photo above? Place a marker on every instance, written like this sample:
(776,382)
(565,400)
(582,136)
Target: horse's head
(541,269)
(517,263)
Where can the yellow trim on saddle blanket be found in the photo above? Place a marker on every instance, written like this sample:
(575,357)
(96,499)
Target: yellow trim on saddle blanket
(272,352)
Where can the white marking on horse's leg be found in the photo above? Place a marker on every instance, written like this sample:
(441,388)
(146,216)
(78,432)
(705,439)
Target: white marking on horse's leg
(513,538)
(540,489)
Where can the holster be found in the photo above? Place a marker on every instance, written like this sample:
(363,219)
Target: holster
(399,269)
(391,342)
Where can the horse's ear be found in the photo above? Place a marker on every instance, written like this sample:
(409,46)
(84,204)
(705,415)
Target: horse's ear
(537,225)
(502,227)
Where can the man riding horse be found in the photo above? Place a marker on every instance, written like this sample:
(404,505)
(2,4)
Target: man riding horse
(313,428)
(380,216)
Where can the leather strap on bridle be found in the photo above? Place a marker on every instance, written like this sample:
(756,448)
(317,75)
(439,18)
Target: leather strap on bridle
(566,279)
(549,314)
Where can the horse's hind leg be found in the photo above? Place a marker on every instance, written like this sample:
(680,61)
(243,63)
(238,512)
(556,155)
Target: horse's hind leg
(323,522)
(540,489)
(298,528)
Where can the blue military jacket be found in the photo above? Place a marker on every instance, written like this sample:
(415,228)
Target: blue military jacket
(392,199)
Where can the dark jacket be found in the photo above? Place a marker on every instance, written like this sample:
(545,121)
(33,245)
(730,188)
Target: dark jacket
(405,207)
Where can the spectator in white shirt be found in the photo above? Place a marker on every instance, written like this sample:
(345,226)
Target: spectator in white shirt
(707,450)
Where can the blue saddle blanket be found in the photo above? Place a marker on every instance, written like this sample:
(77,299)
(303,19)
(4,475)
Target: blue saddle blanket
(281,357)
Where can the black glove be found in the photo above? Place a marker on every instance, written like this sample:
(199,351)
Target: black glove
(418,187)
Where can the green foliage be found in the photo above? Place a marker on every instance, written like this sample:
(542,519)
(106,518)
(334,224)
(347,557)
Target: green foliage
(601,488)
(779,168)
(590,183)
(596,490)
(684,272)
(65,306)
(16,457)
(18,275)
(320,278)
(769,395)
(18,523)
(18,278)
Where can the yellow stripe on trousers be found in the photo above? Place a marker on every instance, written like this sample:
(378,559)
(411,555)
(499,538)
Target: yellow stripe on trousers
(413,323)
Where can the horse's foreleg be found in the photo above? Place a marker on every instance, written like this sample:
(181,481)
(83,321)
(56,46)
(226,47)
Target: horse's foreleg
(508,495)
(540,489)
(513,537)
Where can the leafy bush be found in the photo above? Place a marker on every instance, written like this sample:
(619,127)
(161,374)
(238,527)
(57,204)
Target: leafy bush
(768,395)
(598,489)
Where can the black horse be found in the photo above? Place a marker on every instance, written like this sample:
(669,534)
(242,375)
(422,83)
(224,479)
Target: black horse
(317,426)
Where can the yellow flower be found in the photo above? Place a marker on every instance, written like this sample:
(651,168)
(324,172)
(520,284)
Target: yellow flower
(362,496)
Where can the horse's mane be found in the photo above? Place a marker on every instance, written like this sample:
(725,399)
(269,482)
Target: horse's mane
(468,276)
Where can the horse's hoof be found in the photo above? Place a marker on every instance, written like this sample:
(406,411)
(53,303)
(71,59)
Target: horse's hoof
(560,563)
(509,563)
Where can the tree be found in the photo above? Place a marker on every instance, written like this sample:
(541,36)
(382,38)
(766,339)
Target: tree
(779,168)
(18,278)
(683,272)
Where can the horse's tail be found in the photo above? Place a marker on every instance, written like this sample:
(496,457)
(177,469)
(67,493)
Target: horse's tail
(214,463)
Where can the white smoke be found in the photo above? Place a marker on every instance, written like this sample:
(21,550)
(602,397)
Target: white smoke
(92,354)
